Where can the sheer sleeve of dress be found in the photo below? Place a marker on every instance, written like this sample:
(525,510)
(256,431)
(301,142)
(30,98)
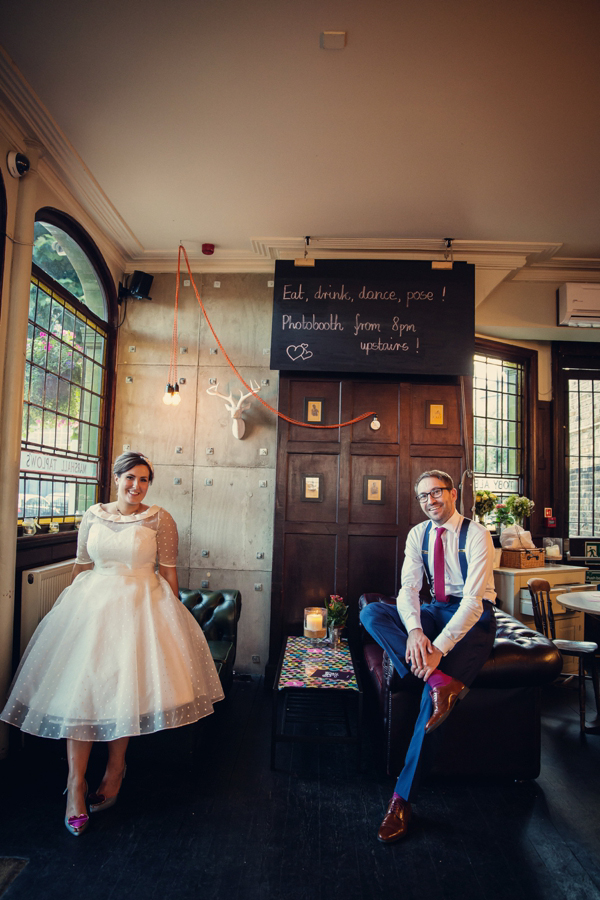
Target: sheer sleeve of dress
(167,539)
(83,557)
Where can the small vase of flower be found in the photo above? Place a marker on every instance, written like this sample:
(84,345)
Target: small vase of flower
(502,517)
(485,502)
(337,614)
(519,508)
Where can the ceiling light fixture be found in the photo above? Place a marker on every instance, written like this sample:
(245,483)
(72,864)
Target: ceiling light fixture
(305,260)
(448,260)
(171,396)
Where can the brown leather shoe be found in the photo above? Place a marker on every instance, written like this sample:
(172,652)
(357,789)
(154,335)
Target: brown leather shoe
(444,697)
(396,821)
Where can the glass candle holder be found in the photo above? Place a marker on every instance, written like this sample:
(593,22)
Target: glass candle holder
(315,622)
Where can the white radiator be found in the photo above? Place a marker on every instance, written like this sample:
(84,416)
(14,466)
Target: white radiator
(39,589)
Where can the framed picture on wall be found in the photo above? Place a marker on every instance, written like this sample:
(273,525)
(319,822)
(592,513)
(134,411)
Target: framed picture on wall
(374,489)
(312,488)
(314,410)
(435,415)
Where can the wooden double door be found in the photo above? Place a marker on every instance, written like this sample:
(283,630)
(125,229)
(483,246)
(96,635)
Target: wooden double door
(344,498)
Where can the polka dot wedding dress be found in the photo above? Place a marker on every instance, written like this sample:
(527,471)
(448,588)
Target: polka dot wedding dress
(118,654)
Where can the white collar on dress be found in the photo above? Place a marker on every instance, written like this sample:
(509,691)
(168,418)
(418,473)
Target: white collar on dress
(98,510)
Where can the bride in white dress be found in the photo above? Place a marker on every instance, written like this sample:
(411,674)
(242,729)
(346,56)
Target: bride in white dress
(118,655)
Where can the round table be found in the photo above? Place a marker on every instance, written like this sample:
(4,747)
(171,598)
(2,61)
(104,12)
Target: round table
(588,601)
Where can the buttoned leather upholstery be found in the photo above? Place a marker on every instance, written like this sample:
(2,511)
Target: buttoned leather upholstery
(217,613)
(496,729)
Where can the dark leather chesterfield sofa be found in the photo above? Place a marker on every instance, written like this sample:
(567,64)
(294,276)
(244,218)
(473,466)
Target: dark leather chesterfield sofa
(217,613)
(495,731)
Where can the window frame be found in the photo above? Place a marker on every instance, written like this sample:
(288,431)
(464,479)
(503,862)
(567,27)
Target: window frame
(528,358)
(77,233)
(570,360)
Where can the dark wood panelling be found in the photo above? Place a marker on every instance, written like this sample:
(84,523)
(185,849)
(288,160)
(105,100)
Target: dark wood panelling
(330,391)
(421,396)
(309,563)
(343,544)
(432,450)
(373,565)
(384,399)
(301,464)
(374,467)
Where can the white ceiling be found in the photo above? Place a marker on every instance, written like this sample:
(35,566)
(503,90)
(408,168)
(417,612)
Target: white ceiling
(224,121)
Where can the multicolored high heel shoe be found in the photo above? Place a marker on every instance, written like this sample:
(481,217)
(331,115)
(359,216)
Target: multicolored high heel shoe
(98,802)
(77,824)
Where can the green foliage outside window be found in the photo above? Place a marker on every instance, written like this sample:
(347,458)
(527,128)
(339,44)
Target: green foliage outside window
(50,256)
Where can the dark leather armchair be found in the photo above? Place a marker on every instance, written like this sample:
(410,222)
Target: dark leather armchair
(496,729)
(217,613)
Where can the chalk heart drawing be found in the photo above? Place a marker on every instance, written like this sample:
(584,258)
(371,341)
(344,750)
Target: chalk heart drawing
(298,351)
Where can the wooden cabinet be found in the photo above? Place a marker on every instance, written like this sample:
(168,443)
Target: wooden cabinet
(513,594)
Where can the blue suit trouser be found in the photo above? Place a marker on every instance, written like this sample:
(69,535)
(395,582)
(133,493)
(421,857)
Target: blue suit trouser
(463,662)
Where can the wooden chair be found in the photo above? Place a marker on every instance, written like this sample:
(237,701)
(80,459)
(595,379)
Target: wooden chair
(543,616)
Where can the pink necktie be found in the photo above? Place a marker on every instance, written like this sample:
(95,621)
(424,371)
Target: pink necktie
(439,573)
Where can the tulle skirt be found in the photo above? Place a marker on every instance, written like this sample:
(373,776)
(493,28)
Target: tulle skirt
(118,655)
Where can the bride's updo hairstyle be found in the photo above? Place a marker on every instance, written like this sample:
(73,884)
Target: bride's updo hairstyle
(129,460)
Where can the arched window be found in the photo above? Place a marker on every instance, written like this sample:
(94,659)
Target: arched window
(65,439)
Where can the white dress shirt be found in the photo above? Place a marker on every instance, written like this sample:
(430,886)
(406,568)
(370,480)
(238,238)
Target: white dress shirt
(479,585)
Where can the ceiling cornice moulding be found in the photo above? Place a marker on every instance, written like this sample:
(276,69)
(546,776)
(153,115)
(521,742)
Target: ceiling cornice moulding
(154,264)
(26,114)
(561,269)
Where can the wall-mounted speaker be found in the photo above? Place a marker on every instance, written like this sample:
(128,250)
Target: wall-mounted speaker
(138,286)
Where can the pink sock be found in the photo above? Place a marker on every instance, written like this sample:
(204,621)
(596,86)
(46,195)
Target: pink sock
(438,679)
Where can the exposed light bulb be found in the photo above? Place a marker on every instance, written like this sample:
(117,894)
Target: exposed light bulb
(176,399)
(168,395)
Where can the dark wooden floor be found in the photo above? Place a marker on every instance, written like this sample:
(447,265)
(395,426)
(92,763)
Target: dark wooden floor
(201,815)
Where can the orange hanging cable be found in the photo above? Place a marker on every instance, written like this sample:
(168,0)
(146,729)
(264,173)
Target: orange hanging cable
(224,352)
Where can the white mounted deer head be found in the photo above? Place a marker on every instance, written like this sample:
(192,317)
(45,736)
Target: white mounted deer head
(236,408)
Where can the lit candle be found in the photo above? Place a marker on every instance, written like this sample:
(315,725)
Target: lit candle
(314,622)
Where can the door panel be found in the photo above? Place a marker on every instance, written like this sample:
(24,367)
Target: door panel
(301,507)
(423,428)
(328,393)
(373,561)
(310,563)
(363,508)
(385,401)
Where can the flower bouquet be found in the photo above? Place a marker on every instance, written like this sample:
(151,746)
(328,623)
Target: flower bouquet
(519,508)
(485,502)
(337,614)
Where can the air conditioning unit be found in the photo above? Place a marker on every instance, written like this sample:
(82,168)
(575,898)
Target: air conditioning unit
(579,304)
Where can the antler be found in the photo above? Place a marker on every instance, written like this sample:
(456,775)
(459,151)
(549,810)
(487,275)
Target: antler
(241,404)
(235,408)
(229,402)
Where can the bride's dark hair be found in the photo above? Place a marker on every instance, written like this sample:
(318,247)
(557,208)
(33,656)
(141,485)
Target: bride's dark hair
(128,460)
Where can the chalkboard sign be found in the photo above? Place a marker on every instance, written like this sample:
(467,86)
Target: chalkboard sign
(374,316)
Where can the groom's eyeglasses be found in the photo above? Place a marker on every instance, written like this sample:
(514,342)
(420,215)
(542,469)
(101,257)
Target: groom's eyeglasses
(435,494)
